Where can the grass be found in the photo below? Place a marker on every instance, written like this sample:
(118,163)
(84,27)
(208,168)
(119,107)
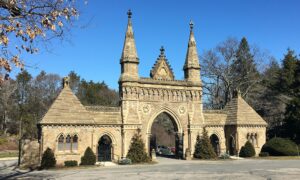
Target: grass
(8,154)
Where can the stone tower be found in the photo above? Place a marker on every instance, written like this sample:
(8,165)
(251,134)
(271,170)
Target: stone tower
(192,67)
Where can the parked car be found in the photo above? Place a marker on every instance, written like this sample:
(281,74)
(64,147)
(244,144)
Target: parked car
(163,150)
(172,149)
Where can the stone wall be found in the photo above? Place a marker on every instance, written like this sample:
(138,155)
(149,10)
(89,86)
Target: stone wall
(88,136)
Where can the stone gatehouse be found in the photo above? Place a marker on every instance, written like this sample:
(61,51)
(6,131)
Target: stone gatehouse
(68,128)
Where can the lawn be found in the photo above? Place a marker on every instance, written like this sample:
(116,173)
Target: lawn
(8,154)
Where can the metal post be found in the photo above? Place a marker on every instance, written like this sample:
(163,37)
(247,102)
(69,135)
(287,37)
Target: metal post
(20,141)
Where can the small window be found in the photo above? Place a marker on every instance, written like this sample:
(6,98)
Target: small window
(61,142)
(75,143)
(68,143)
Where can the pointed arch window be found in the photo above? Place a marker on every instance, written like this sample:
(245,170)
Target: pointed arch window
(61,142)
(75,143)
(68,143)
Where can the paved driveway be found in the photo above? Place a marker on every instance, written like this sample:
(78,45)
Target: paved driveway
(174,169)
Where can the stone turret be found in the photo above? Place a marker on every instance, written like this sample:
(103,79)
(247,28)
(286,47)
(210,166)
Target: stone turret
(129,59)
(192,67)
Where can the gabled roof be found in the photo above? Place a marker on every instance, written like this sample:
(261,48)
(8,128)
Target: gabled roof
(239,112)
(162,69)
(67,109)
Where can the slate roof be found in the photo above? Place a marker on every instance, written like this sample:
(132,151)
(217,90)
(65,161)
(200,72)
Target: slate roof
(214,117)
(241,113)
(67,109)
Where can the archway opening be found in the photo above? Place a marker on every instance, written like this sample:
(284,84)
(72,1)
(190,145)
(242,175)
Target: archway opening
(165,139)
(232,150)
(215,143)
(105,148)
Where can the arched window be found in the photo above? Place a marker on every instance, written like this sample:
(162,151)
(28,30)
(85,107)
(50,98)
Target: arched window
(68,143)
(256,140)
(248,137)
(75,143)
(252,139)
(61,142)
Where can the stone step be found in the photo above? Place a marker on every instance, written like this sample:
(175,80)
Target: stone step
(106,163)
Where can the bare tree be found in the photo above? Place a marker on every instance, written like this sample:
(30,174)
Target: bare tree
(217,72)
(25,24)
(7,90)
(230,66)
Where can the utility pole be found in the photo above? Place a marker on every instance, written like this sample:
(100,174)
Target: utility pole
(20,141)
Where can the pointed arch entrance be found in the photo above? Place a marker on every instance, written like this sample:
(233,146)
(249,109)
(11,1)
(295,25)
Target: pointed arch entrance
(105,148)
(165,135)
(214,140)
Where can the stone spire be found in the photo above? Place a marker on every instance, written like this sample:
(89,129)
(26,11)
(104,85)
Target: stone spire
(129,59)
(192,67)
(129,53)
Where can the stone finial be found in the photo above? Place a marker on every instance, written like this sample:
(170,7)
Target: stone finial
(162,51)
(236,93)
(66,81)
(129,13)
(191,25)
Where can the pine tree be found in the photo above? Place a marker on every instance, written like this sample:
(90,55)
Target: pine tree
(48,159)
(197,153)
(89,158)
(244,70)
(204,148)
(287,75)
(136,152)
(247,150)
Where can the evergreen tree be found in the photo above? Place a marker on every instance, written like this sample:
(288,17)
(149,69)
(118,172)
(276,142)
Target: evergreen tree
(245,73)
(204,148)
(48,159)
(136,152)
(287,75)
(89,158)
(247,150)
(197,153)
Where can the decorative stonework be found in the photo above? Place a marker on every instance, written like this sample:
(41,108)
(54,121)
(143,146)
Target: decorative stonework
(181,110)
(142,99)
(162,69)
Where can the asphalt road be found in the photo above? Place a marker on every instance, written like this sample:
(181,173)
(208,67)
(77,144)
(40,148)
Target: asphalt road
(173,169)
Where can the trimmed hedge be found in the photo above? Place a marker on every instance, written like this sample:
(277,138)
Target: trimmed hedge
(263,154)
(280,147)
(71,163)
(48,159)
(89,158)
(247,150)
(125,161)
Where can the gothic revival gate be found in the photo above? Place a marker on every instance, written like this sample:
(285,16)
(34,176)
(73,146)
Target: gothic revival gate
(143,99)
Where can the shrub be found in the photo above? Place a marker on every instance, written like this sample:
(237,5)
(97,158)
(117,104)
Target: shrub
(125,161)
(203,147)
(247,150)
(224,156)
(48,159)
(71,163)
(137,152)
(280,147)
(89,158)
(263,154)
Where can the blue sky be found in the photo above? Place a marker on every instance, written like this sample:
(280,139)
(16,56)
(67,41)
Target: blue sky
(94,50)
